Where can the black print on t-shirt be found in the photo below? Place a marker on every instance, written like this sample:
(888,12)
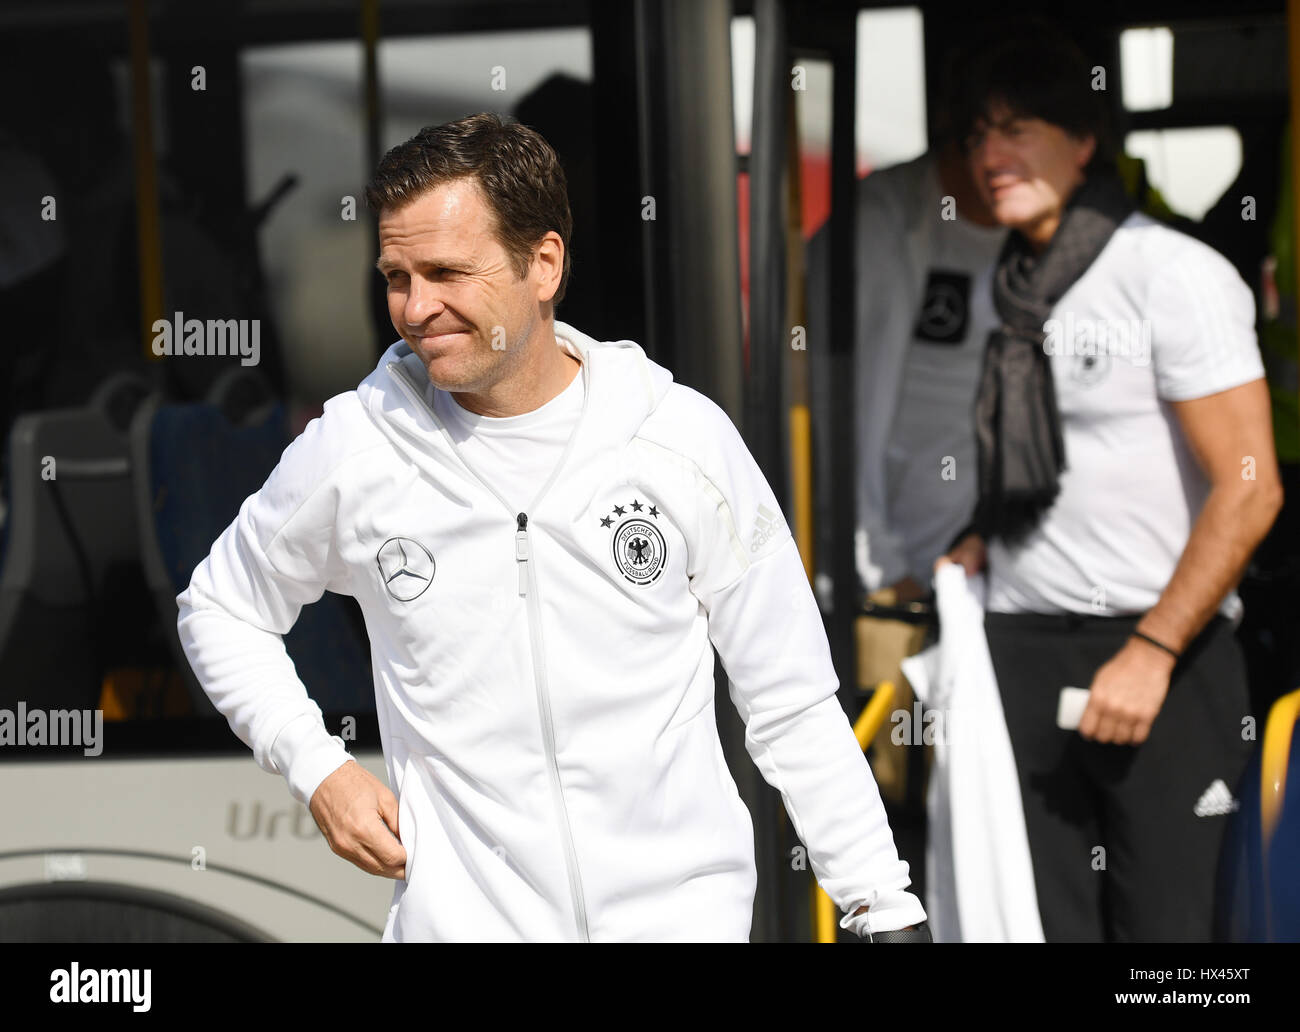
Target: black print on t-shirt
(945,309)
(1090,370)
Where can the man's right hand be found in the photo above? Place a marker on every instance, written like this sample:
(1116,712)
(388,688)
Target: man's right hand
(969,552)
(908,590)
(357,814)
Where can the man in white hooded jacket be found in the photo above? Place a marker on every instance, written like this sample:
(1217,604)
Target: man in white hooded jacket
(547,538)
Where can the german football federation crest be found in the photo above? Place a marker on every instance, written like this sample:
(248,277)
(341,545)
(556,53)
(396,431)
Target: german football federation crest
(1090,370)
(637,544)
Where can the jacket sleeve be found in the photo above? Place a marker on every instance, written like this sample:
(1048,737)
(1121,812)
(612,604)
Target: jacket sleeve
(884,314)
(277,556)
(763,620)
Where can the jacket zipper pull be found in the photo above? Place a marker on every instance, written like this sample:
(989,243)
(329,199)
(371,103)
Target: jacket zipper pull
(521,553)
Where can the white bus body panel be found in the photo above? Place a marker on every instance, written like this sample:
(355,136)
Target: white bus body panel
(219,832)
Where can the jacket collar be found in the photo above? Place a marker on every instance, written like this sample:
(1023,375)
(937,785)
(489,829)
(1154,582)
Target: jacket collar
(622,387)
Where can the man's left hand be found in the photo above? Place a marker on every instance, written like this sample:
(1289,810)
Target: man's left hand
(863,910)
(1126,694)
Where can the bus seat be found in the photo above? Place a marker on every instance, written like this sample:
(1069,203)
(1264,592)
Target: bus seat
(118,398)
(196,467)
(1259,895)
(72,598)
(242,394)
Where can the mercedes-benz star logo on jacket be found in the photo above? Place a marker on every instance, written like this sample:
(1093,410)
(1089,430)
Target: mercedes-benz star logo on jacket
(406,568)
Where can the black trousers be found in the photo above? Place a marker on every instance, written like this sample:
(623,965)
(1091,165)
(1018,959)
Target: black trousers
(1124,839)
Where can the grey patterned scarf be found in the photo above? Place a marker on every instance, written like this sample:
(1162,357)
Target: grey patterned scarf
(1017,426)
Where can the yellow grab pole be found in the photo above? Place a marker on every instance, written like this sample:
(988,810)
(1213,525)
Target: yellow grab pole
(800,414)
(873,714)
(1274,755)
(370,79)
(864,729)
(149,239)
(827,915)
(801,475)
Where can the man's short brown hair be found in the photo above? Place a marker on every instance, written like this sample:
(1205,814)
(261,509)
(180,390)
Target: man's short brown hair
(515,168)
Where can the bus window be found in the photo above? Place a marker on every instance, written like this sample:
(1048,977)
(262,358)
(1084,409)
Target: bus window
(302,116)
(1190,167)
(890,108)
(1146,63)
(427,80)
(543,78)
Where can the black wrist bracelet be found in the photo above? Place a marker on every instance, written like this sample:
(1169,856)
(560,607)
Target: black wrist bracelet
(921,933)
(1157,644)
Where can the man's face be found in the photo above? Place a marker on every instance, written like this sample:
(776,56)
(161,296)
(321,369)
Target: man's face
(452,291)
(1025,168)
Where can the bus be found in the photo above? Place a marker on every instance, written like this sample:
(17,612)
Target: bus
(206,162)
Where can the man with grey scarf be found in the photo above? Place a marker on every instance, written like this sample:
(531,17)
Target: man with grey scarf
(1126,474)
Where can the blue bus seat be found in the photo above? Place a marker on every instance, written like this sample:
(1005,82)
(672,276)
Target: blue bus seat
(196,468)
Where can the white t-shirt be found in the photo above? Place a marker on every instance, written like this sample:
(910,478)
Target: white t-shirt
(931,460)
(1158,317)
(924,314)
(515,454)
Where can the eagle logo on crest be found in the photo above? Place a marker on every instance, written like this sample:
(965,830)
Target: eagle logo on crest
(637,544)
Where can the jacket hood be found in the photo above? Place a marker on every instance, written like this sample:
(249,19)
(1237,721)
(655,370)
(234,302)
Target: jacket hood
(622,387)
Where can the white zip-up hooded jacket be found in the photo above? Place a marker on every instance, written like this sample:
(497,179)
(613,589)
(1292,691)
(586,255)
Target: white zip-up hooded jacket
(545,680)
